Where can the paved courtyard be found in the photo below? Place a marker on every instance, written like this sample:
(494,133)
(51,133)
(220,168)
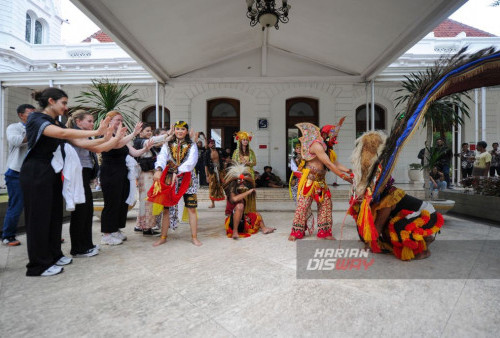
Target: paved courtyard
(241,288)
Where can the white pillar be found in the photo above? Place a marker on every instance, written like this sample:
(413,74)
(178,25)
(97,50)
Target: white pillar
(459,141)
(453,158)
(483,114)
(157,110)
(367,108)
(476,116)
(265,34)
(163,108)
(373,106)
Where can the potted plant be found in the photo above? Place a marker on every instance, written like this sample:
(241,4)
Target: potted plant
(415,173)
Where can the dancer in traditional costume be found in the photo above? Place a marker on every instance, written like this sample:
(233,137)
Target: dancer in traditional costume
(174,178)
(243,153)
(243,220)
(213,171)
(396,222)
(319,157)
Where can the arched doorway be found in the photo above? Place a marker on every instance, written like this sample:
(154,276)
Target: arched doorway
(361,119)
(223,121)
(298,109)
(149,116)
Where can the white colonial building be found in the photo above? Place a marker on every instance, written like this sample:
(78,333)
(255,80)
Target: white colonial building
(263,90)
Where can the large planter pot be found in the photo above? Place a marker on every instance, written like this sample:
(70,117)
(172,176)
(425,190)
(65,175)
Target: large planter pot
(415,175)
(443,206)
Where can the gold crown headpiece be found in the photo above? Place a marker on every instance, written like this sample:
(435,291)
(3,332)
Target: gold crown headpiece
(181,124)
(243,135)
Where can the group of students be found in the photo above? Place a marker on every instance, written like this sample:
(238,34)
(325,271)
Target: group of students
(60,162)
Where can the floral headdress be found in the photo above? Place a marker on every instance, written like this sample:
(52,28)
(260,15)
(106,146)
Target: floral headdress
(243,135)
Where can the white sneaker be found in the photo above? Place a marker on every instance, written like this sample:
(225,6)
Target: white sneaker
(97,247)
(64,261)
(90,252)
(109,239)
(120,235)
(53,270)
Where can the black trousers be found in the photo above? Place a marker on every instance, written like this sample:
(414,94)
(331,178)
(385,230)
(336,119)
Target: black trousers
(80,227)
(43,207)
(115,189)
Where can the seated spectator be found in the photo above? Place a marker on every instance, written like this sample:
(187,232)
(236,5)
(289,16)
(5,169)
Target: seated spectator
(268,179)
(437,181)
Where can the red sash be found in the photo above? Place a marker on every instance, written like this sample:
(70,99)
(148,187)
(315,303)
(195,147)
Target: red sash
(166,195)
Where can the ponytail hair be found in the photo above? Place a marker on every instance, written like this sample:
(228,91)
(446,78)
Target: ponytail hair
(43,96)
(77,115)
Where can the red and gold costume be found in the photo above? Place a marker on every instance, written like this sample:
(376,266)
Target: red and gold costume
(312,185)
(411,221)
(239,180)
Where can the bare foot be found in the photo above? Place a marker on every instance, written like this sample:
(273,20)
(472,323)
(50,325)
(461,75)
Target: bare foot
(330,238)
(160,242)
(423,255)
(211,206)
(429,239)
(291,238)
(196,242)
(266,230)
(236,235)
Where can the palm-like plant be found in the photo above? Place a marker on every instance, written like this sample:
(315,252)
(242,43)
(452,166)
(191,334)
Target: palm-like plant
(105,95)
(442,114)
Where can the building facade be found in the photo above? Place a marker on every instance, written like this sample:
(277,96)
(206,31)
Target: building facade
(231,95)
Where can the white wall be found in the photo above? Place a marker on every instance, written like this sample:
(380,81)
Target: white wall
(188,101)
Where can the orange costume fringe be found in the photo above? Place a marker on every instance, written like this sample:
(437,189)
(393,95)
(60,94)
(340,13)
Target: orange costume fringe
(249,225)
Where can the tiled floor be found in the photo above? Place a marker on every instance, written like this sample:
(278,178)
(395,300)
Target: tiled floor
(241,288)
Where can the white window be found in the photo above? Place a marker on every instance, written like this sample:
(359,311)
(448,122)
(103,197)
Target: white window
(27,36)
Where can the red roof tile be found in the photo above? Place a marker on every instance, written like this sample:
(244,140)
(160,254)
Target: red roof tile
(450,28)
(99,36)
(446,29)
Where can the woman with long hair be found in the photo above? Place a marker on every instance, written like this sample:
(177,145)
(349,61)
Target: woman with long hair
(42,185)
(243,153)
(145,219)
(115,182)
(80,227)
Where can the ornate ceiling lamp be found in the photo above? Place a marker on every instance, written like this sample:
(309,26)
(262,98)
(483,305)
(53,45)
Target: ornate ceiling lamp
(265,13)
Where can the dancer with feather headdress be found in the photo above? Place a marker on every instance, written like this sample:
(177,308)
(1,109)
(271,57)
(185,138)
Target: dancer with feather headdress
(242,220)
(386,217)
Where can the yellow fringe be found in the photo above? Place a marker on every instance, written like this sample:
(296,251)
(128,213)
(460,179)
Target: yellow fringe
(407,254)
(290,186)
(332,155)
(157,209)
(303,180)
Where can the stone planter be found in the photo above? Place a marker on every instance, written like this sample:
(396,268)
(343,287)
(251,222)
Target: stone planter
(415,175)
(474,205)
(442,206)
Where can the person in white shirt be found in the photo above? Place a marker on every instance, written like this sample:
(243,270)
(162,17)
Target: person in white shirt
(179,156)
(18,146)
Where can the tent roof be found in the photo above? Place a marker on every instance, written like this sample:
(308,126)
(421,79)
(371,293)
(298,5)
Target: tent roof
(355,38)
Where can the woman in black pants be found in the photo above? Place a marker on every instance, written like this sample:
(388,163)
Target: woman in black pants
(42,186)
(80,228)
(115,184)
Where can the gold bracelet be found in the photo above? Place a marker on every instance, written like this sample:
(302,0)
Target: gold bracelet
(163,237)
